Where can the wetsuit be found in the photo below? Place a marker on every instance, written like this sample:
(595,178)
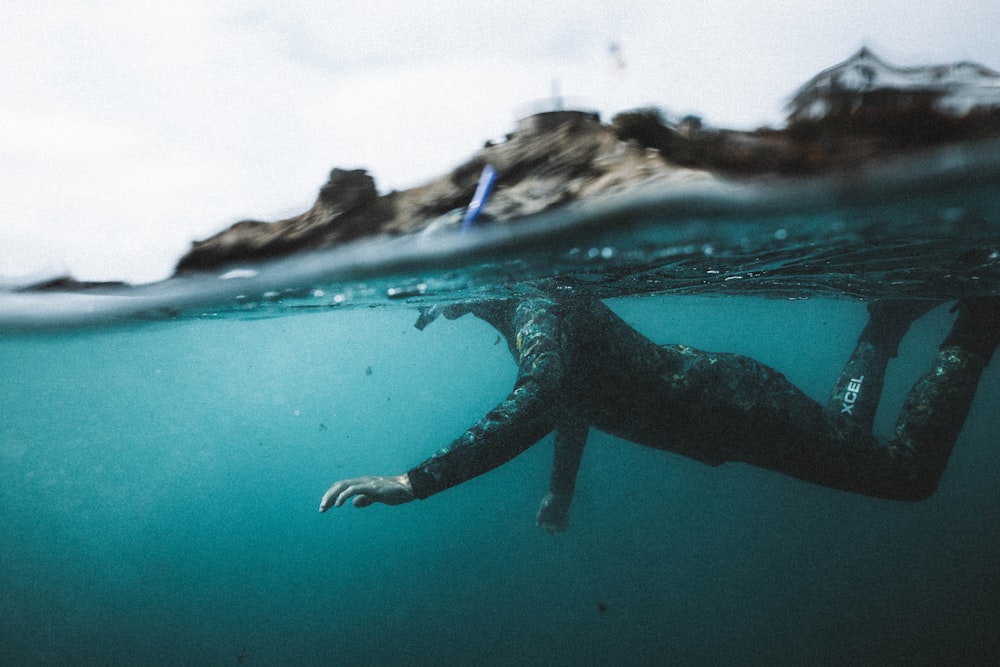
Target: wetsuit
(581,366)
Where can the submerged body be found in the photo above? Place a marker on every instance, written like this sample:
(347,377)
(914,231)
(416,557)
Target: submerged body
(581,366)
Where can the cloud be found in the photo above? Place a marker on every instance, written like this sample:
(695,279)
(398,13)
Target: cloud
(128,129)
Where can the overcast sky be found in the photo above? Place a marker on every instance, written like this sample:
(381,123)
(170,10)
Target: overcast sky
(129,129)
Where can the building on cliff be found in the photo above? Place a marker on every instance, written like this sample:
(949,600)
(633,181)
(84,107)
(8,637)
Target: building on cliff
(865,85)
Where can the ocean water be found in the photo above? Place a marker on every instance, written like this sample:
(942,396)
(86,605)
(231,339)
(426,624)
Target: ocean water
(163,450)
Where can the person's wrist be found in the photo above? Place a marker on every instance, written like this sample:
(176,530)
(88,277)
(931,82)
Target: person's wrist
(404,481)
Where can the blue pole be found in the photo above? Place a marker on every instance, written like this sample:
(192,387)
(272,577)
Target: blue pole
(483,190)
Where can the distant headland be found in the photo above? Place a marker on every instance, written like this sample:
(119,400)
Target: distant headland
(857,112)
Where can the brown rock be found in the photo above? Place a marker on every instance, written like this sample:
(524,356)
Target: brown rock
(554,158)
(549,160)
(348,207)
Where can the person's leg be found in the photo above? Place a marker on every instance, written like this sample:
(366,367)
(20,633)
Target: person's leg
(936,407)
(796,436)
(856,395)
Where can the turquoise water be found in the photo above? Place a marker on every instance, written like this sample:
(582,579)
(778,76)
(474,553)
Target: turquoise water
(160,484)
(161,464)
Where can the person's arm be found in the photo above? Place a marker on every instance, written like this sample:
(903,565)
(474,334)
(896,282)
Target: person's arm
(518,422)
(571,438)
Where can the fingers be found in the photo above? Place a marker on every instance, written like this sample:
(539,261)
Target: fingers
(553,514)
(326,500)
(361,489)
(337,494)
(552,527)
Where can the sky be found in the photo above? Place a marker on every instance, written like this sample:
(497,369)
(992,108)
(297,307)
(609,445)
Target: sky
(129,130)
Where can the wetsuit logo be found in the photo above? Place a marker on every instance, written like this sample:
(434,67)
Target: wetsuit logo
(851,395)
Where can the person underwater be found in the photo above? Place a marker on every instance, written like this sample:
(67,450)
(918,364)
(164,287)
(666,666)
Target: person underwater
(580,366)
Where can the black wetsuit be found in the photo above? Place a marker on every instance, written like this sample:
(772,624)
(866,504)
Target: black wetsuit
(581,366)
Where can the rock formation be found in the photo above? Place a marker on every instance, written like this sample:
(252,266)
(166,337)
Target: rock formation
(853,113)
(550,159)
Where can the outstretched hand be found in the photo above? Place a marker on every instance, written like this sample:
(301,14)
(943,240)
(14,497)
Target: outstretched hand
(368,490)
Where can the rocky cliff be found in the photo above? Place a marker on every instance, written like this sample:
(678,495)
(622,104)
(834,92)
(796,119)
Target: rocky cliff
(555,158)
(549,160)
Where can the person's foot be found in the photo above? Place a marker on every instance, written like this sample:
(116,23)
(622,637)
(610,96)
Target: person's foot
(889,320)
(977,328)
